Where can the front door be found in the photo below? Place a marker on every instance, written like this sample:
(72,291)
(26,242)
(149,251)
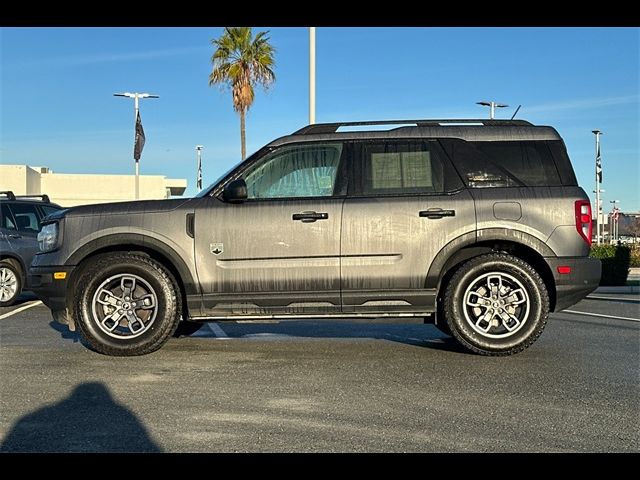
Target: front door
(278,252)
(406,203)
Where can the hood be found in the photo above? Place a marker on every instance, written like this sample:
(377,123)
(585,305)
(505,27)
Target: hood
(120,208)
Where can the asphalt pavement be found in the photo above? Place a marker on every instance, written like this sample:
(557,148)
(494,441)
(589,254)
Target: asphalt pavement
(325,387)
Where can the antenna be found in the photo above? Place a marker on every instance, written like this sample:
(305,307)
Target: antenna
(516,112)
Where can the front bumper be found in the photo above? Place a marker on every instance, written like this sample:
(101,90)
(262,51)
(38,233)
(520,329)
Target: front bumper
(52,292)
(572,287)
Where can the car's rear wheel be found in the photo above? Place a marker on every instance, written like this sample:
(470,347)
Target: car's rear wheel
(10,283)
(127,304)
(496,304)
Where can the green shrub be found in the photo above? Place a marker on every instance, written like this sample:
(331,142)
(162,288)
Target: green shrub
(615,263)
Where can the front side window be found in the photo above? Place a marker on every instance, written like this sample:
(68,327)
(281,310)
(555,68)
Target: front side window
(306,170)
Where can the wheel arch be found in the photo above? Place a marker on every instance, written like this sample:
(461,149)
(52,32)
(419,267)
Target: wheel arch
(518,244)
(16,259)
(152,247)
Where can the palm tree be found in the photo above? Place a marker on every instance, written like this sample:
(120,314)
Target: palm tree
(242,61)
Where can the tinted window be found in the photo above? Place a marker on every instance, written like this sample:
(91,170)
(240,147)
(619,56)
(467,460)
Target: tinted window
(47,209)
(404,167)
(26,217)
(529,162)
(476,169)
(563,164)
(5,217)
(308,170)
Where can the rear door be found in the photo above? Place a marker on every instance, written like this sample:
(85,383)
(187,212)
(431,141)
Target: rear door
(20,227)
(405,204)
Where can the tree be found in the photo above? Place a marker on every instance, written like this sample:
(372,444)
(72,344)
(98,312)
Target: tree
(633,228)
(241,61)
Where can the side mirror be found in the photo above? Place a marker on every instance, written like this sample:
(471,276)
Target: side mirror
(235,191)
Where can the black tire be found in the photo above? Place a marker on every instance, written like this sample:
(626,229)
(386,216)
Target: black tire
(10,296)
(187,328)
(525,311)
(156,316)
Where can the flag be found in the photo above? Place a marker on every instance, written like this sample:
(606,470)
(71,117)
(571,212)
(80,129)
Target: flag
(139,145)
(199,181)
(598,164)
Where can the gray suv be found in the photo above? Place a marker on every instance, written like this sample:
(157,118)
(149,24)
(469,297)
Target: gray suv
(479,226)
(20,218)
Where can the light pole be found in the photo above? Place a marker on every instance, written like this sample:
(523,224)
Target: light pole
(199,177)
(597,133)
(614,220)
(136,108)
(312,75)
(492,107)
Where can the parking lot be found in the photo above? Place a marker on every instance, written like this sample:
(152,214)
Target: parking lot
(319,386)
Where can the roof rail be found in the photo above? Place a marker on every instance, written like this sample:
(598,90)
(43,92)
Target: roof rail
(320,128)
(9,194)
(44,197)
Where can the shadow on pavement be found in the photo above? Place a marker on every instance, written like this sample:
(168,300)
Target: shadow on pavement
(420,335)
(89,420)
(64,331)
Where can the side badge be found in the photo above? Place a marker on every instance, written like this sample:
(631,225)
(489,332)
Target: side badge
(216,248)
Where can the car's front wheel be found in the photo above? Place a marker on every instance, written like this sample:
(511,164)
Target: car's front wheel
(10,283)
(496,304)
(127,304)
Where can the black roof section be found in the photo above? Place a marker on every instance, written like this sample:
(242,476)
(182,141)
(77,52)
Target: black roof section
(479,130)
(323,128)
(11,196)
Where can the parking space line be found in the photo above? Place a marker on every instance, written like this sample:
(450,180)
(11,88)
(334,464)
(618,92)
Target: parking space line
(20,309)
(217,330)
(601,315)
(613,299)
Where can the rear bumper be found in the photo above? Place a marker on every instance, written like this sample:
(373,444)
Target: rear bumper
(52,292)
(572,287)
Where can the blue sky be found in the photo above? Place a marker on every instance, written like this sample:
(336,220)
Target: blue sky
(58,109)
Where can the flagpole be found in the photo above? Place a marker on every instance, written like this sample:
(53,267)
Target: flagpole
(598,176)
(136,109)
(199,175)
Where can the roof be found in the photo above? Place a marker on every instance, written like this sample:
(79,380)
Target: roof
(465,129)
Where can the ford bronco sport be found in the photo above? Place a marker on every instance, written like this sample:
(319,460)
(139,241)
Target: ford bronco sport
(477,224)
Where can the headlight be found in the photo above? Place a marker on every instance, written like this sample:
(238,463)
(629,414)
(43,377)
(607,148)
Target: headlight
(48,237)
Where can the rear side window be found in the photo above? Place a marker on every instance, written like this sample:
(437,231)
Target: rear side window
(504,164)
(404,167)
(26,217)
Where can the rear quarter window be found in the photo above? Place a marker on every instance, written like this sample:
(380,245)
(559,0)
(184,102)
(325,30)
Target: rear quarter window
(504,164)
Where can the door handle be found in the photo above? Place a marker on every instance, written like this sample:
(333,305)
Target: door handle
(15,235)
(308,217)
(435,213)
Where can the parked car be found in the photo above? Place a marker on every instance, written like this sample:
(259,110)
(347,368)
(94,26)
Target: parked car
(20,219)
(480,222)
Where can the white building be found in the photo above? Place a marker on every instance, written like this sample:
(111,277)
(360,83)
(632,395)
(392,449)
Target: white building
(69,189)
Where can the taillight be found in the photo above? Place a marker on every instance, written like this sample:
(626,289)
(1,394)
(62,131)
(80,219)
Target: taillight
(583,219)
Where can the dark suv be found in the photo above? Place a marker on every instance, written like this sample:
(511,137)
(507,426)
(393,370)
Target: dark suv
(20,218)
(481,223)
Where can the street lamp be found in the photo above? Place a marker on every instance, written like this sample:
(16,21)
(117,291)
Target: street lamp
(136,98)
(492,107)
(312,75)
(199,176)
